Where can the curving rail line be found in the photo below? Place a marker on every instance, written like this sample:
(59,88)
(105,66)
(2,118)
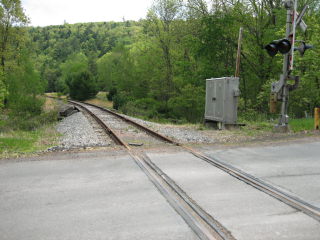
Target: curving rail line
(200,221)
(257,183)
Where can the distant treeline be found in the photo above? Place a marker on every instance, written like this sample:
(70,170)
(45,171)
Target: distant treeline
(157,67)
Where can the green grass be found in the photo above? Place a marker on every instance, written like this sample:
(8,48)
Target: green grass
(20,135)
(296,125)
(16,143)
(255,128)
(303,124)
(13,144)
(25,135)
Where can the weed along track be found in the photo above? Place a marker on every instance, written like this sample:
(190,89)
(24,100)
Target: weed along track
(129,134)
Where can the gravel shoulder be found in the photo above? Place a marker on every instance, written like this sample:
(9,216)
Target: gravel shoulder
(197,134)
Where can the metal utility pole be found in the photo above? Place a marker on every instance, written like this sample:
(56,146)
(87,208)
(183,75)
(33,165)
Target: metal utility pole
(280,89)
(287,67)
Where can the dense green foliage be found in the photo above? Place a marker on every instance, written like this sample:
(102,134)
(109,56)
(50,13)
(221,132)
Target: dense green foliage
(162,72)
(56,45)
(20,83)
(75,75)
(23,90)
(81,86)
(157,67)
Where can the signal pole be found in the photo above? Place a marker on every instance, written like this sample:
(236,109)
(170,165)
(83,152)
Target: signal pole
(287,67)
(280,89)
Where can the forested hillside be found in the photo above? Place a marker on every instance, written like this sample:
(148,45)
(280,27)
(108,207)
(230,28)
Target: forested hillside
(157,67)
(59,47)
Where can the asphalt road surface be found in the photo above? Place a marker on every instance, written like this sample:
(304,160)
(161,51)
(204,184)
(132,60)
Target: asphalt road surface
(99,195)
(84,197)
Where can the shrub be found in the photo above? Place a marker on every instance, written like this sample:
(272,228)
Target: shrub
(120,99)
(189,104)
(28,123)
(24,87)
(111,93)
(26,106)
(82,86)
(146,107)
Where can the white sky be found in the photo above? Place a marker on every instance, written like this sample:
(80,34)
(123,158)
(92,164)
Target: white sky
(54,12)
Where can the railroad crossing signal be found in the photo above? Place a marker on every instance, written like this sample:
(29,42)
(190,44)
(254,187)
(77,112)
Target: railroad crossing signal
(280,89)
(302,48)
(283,46)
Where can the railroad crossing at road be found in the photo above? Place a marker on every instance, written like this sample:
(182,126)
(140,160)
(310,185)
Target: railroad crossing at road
(245,211)
(105,195)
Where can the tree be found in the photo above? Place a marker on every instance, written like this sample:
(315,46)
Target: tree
(77,77)
(307,96)
(81,85)
(24,86)
(54,45)
(75,64)
(161,20)
(158,66)
(189,104)
(12,19)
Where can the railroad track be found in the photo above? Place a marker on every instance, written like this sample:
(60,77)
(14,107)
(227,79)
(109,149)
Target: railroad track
(204,225)
(199,220)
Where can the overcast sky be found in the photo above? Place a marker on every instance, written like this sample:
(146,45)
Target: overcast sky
(54,12)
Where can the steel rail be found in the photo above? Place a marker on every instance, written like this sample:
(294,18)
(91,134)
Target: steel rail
(108,130)
(255,182)
(205,227)
(259,184)
(148,130)
(221,230)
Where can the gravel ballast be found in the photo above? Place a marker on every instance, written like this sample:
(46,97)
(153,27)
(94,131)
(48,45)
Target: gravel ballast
(189,134)
(80,131)
(77,132)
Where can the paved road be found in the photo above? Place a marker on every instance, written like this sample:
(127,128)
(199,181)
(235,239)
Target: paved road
(245,211)
(85,196)
(103,195)
(295,167)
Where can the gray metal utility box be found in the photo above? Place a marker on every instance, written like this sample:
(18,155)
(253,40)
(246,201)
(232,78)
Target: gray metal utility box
(222,100)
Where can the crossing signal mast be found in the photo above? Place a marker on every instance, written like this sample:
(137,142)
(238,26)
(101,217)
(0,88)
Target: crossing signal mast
(280,89)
